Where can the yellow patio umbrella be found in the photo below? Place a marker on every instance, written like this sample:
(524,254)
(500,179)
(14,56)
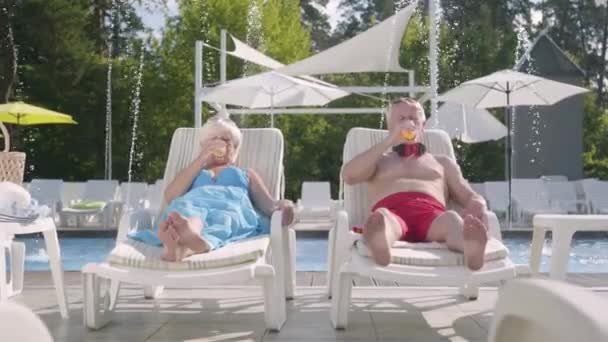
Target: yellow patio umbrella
(12,164)
(20,113)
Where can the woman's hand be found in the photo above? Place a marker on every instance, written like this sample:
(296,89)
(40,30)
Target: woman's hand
(209,153)
(288,211)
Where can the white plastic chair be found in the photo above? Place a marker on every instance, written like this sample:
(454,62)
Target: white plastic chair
(346,260)
(273,267)
(19,324)
(316,203)
(16,254)
(107,216)
(47,192)
(534,310)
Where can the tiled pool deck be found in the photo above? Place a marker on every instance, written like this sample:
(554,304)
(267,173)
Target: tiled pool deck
(380,312)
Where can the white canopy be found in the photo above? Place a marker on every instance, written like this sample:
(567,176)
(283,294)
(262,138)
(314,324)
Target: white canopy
(467,124)
(375,50)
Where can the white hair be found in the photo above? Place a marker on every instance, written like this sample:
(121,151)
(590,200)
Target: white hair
(406,100)
(220,124)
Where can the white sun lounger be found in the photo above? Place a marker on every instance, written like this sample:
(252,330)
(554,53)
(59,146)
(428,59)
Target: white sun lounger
(104,216)
(535,310)
(47,192)
(531,197)
(269,260)
(424,264)
(562,194)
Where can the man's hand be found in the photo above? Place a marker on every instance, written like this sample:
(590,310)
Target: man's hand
(394,137)
(288,211)
(476,208)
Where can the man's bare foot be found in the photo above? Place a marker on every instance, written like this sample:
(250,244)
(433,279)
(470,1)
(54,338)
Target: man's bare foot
(188,231)
(170,240)
(475,237)
(376,240)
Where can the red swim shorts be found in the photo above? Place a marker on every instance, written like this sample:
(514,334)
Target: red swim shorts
(415,212)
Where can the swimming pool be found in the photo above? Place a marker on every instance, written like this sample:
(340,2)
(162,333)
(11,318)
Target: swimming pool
(589,254)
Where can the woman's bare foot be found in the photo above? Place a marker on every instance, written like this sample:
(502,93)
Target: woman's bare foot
(475,237)
(170,240)
(376,239)
(188,231)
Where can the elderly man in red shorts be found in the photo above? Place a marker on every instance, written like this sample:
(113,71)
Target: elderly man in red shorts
(410,189)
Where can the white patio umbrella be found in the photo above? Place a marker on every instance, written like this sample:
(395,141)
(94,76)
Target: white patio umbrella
(509,88)
(467,124)
(272,89)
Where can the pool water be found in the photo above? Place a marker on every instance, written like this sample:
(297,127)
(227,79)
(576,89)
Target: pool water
(588,254)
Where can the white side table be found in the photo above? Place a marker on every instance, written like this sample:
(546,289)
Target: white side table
(46,226)
(562,227)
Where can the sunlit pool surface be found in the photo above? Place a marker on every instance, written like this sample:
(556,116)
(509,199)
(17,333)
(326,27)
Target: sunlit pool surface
(588,254)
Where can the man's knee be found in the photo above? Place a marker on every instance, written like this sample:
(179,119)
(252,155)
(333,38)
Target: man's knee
(443,224)
(452,218)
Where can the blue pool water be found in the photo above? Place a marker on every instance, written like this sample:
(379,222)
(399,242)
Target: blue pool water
(588,254)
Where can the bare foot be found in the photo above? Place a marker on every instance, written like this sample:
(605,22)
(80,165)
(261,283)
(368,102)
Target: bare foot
(376,240)
(475,237)
(170,240)
(188,231)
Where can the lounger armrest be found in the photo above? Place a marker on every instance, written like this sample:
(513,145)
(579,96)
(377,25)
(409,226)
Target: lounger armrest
(493,225)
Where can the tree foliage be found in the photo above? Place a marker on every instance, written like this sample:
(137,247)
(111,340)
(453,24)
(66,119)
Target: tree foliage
(64,51)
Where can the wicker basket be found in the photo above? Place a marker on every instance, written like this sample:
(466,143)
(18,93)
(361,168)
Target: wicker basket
(12,164)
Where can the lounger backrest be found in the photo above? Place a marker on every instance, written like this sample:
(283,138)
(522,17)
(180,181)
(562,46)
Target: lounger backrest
(530,192)
(562,190)
(358,140)
(46,191)
(596,192)
(71,191)
(316,194)
(261,150)
(100,190)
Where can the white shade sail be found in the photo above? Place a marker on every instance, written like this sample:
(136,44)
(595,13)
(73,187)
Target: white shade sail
(467,124)
(246,52)
(375,50)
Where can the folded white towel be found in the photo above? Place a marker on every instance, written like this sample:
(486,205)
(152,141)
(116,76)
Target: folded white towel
(17,205)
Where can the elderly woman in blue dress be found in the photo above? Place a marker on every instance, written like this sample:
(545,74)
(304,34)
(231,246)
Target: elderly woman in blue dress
(212,202)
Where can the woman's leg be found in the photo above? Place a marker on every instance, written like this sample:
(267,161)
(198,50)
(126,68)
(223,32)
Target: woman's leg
(189,230)
(170,240)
